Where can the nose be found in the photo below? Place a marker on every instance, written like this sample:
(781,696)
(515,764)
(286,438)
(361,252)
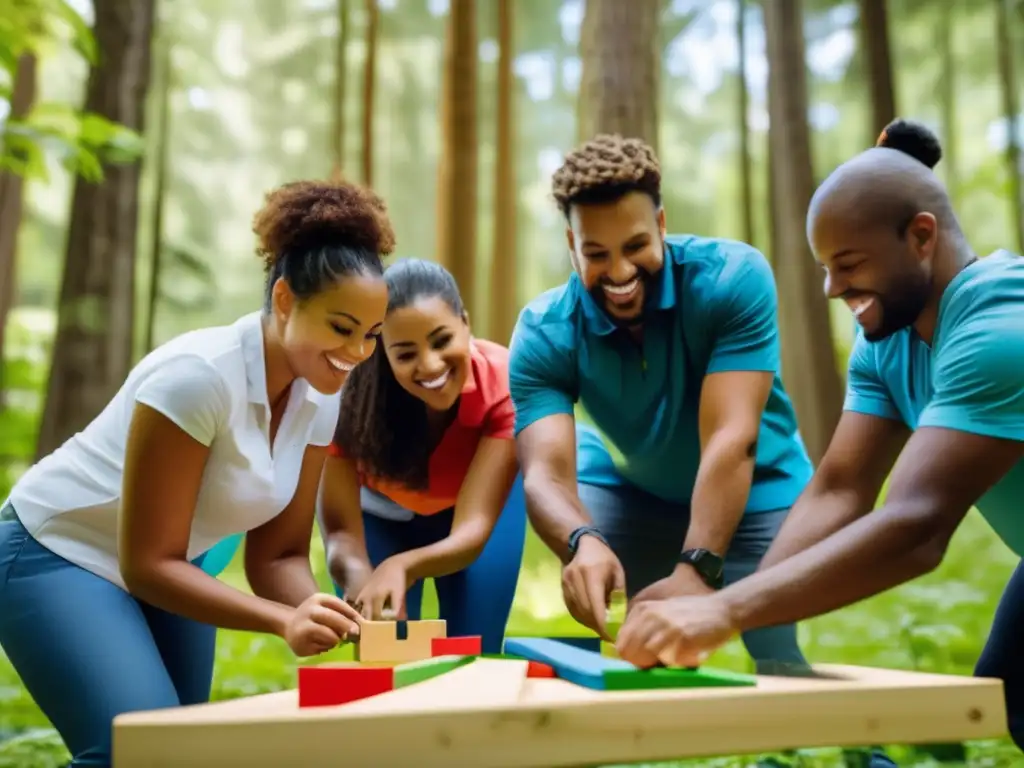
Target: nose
(432,364)
(359,350)
(622,270)
(834,288)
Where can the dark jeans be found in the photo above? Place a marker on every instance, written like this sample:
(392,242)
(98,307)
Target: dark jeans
(87,651)
(1002,655)
(474,601)
(647,533)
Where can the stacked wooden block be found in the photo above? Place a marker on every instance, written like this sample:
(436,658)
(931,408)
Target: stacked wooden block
(392,655)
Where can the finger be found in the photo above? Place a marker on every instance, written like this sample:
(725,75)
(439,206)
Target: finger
(597,591)
(341,606)
(397,601)
(377,603)
(575,595)
(341,626)
(630,643)
(319,636)
(677,652)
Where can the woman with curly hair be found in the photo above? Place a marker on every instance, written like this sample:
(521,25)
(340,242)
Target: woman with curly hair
(421,481)
(104,605)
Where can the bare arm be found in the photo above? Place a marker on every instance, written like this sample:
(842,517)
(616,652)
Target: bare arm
(937,479)
(845,486)
(277,553)
(547,454)
(341,515)
(481,500)
(162,475)
(731,406)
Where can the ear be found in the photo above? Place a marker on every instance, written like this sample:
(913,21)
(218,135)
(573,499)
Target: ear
(465,318)
(923,234)
(661,222)
(282,299)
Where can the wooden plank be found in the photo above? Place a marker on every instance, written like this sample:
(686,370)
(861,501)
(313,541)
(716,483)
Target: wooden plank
(487,715)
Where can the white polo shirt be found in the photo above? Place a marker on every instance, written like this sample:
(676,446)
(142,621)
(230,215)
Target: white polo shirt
(212,383)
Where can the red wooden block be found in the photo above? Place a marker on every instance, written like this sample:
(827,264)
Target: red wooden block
(327,685)
(456,646)
(539,669)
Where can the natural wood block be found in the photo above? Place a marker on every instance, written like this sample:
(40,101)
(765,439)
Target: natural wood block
(378,640)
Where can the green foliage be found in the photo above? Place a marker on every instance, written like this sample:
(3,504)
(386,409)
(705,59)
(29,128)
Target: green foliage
(80,142)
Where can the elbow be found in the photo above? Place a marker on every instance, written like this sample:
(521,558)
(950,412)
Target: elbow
(139,575)
(930,536)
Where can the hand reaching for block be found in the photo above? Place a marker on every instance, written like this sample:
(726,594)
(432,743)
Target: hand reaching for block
(320,623)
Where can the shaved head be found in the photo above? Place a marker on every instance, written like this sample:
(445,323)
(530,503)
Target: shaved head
(881,225)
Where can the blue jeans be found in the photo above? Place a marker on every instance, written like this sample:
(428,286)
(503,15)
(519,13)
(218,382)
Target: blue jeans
(87,651)
(474,601)
(647,533)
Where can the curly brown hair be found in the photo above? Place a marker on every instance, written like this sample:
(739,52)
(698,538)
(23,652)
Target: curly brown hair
(313,232)
(604,169)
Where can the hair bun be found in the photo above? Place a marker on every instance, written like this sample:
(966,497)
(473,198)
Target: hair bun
(912,138)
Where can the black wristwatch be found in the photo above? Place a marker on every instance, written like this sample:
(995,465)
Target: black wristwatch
(584,530)
(709,566)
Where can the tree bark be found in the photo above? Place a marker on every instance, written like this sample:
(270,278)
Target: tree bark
(92,352)
(340,88)
(457,171)
(369,87)
(874,40)
(746,170)
(11,205)
(620,61)
(808,359)
(504,303)
(1011,113)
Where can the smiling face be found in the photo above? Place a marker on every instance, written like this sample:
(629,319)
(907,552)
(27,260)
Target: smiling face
(883,277)
(327,335)
(617,250)
(427,345)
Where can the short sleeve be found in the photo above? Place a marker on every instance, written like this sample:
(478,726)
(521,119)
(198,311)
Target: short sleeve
(865,391)
(191,393)
(541,376)
(326,422)
(744,313)
(978,376)
(500,421)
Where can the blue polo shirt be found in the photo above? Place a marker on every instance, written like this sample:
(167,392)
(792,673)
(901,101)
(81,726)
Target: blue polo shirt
(713,309)
(971,379)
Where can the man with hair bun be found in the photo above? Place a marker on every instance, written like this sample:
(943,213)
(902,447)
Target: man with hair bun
(104,605)
(671,345)
(935,395)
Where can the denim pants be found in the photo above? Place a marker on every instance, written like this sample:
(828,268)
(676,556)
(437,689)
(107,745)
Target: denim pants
(87,651)
(1001,657)
(647,534)
(474,601)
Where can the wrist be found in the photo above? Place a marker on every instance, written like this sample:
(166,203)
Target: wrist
(585,537)
(279,619)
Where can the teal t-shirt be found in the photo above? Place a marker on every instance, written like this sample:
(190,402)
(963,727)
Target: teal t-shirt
(714,308)
(971,379)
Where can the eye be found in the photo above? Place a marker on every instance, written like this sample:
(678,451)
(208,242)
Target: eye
(634,247)
(341,330)
(373,335)
(406,357)
(594,255)
(442,341)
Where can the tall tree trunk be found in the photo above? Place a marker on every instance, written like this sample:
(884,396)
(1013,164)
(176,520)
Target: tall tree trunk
(874,40)
(808,358)
(340,88)
(162,144)
(11,205)
(620,60)
(369,87)
(946,41)
(1011,113)
(92,352)
(504,302)
(457,172)
(746,171)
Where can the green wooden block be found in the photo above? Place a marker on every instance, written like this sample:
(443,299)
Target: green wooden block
(418,671)
(665,677)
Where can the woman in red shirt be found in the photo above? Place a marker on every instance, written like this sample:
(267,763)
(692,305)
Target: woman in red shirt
(422,480)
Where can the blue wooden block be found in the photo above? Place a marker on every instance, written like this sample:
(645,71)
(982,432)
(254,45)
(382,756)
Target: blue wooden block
(576,665)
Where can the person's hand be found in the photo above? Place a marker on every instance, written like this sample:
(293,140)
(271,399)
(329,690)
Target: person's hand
(348,564)
(386,587)
(320,623)
(682,582)
(588,581)
(681,632)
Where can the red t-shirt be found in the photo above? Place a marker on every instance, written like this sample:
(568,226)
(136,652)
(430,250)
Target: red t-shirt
(485,410)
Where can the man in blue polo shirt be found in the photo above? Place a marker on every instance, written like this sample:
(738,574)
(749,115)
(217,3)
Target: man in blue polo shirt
(935,395)
(671,346)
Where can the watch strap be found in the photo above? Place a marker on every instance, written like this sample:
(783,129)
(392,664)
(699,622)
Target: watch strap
(579,533)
